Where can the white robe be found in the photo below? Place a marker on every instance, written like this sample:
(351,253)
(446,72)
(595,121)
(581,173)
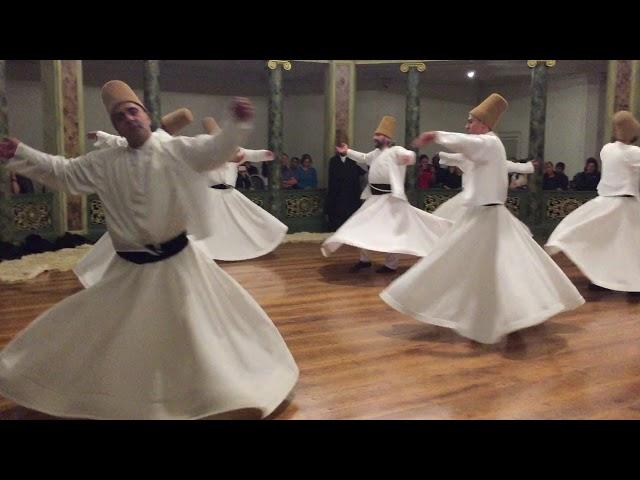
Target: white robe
(241,229)
(602,237)
(454,208)
(387,223)
(246,230)
(175,339)
(486,277)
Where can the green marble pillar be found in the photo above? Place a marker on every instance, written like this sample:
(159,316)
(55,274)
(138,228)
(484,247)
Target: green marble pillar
(152,91)
(5,186)
(276,134)
(537,131)
(412,121)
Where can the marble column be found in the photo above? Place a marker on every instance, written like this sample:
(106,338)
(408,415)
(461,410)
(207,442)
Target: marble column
(152,91)
(275,132)
(6,218)
(537,130)
(339,105)
(64,130)
(623,90)
(412,121)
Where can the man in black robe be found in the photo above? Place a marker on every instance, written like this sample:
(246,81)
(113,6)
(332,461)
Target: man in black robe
(343,194)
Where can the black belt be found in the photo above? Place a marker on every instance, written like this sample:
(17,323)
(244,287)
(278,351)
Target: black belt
(380,188)
(221,186)
(491,204)
(166,250)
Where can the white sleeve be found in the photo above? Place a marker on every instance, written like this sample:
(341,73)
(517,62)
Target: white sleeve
(401,151)
(74,176)
(106,140)
(453,159)
(206,152)
(255,156)
(634,156)
(516,167)
(364,158)
(461,143)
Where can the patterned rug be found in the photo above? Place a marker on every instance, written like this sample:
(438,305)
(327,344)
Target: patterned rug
(30,266)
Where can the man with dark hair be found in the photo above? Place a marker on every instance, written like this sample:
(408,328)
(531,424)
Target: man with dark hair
(386,222)
(589,178)
(344,189)
(562,179)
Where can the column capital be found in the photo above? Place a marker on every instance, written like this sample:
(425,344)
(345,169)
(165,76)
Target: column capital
(420,66)
(534,63)
(273,64)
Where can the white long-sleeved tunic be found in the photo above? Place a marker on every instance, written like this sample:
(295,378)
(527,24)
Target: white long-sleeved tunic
(487,181)
(150,194)
(620,170)
(386,167)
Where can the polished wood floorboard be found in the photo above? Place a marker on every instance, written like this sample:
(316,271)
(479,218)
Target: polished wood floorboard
(360,359)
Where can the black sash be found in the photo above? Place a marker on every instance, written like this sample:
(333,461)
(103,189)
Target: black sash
(166,250)
(380,188)
(221,186)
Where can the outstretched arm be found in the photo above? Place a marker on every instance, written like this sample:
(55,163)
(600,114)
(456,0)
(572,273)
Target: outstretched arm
(207,152)
(75,176)
(359,157)
(246,155)
(516,167)
(458,142)
(453,160)
(404,156)
(106,140)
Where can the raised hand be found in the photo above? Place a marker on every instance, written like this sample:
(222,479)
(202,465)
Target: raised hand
(239,156)
(8,146)
(242,109)
(342,148)
(423,139)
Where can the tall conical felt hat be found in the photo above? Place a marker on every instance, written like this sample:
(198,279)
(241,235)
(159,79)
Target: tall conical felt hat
(210,125)
(490,110)
(116,92)
(387,126)
(175,121)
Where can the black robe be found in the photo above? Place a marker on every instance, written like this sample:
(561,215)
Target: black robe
(343,193)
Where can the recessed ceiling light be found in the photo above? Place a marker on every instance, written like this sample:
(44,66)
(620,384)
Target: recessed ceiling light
(471,73)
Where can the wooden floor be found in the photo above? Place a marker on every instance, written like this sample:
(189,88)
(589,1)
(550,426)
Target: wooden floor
(360,359)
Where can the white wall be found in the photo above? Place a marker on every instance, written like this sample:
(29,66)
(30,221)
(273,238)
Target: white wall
(24,108)
(515,121)
(303,125)
(444,115)
(573,119)
(574,111)
(370,107)
(435,114)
